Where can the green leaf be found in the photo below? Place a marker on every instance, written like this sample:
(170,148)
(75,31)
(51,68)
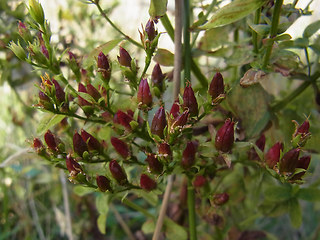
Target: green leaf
(174,231)
(311,29)
(260,29)
(214,38)
(148,227)
(101,222)
(87,97)
(150,197)
(158,8)
(81,190)
(278,193)
(232,12)
(295,212)
(309,194)
(105,48)
(102,203)
(164,57)
(48,121)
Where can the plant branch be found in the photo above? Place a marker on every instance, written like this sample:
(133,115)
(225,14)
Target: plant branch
(168,26)
(137,208)
(192,211)
(186,41)
(254,34)
(273,30)
(122,223)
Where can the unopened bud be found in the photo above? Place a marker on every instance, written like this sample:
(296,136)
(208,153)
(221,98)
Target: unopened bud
(103,183)
(123,119)
(157,77)
(199,181)
(188,156)
(225,137)
(164,150)
(150,30)
(50,140)
(220,199)
(104,66)
(303,163)
(45,52)
(93,143)
(36,11)
(24,32)
(73,167)
(159,122)
(82,101)
(260,143)
(181,120)
(190,101)
(144,96)
(38,145)
(289,161)
(60,95)
(147,183)
(121,147)
(216,86)
(117,172)
(175,110)
(124,59)
(93,92)
(79,145)
(155,166)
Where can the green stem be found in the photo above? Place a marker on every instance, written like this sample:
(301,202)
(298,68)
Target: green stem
(137,208)
(192,211)
(273,30)
(308,61)
(168,26)
(281,104)
(254,34)
(96,2)
(80,117)
(186,40)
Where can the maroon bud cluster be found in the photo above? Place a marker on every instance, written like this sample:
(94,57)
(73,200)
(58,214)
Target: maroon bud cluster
(190,101)
(103,183)
(225,137)
(159,122)
(124,58)
(82,101)
(117,172)
(121,147)
(147,183)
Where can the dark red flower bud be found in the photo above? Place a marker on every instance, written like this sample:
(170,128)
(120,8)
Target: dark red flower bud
(93,143)
(303,163)
(104,66)
(50,140)
(103,183)
(159,122)
(144,96)
(150,30)
(72,56)
(216,86)
(303,129)
(175,110)
(155,166)
(124,59)
(93,92)
(190,101)
(121,147)
(289,161)
(225,136)
(73,167)
(117,172)
(147,183)
(106,116)
(82,101)
(273,155)
(164,150)
(188,156)
(157,76)
(24,32)
(123,119)
(43,97)
(260,143)
(60,95)
(37,145)
(44,101)
(181,120)
(220,199)
(79,145)
(199,181)
(44,51)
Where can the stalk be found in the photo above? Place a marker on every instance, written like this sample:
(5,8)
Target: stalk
(254,34)
(192,211)
(186,41)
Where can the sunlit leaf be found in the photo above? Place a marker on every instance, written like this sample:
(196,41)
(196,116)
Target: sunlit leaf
(164,57)
(174,231)
(158,8)
(102,203)
(295,212)
(49,121)
(101,222)
(311,29)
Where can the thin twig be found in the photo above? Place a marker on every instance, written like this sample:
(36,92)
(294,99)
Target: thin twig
(35,217)
(122,223)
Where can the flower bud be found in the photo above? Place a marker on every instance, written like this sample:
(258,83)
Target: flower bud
(155,166)
(18,50)
(121,147)
(103,183)
(38,145)
(60,95)
(150,30)
(188,156)
(93,143)
(24,32)
(175,110)
(36,11)
(79,145)
(82,101)
(157,77)
(104,66)
(93,92)
(303,129)
(181,120)
(117,172)
(220,199)
(147,183)
(123,119)
(303,163)
(216,86)
(164,150)
(50,140)
(289,161)
(124,59)
(45,52)
(273,155)
(260,143)
(190,101)
(199,181)
(73,167)
(225,137)
(159,122)
(144,96)
(44,101)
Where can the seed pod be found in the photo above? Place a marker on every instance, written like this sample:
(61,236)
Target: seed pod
(199,181)
(188,156)
(121,147)
(220,199)
(123,119)
(93,92)
(103,183)
(190,101)
(60,95)
(144,96)
(225,137)
(289,161)
(155,166)
(73,167)
(147,183)
(124,59)
(104,66)
(216,86)
(150,30)
(93,143)
(117,172)
(273,155)
(157,77)
(159,122)
(79,145)
(50,140)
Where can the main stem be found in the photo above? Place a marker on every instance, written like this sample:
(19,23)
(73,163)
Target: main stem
(186,41)
(192,211)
